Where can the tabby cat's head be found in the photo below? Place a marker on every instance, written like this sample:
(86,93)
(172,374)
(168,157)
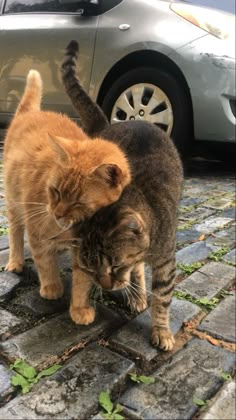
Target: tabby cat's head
(88,175)
(109,246)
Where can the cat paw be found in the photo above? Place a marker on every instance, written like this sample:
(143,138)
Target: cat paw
(138,304)
(163,338)
(82,316)
(16,267)
(52,291)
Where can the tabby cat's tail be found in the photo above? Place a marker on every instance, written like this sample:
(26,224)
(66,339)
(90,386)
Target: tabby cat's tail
(92,118)
(32,96)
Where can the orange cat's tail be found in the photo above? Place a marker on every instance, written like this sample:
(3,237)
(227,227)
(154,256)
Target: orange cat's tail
(32,96)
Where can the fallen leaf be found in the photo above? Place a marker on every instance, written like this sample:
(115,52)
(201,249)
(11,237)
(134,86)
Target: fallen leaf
(202,237)
(212,340)
(199,402)
(188,325)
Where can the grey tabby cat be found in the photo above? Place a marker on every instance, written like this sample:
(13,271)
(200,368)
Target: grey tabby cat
(141,227)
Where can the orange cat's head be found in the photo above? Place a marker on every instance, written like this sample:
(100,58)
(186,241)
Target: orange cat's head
(88,175)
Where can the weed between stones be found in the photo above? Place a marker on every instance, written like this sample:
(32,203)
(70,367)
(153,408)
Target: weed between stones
(218,255)
(26,375)
(4,230)
(204,303)
(110,412)
(189,268)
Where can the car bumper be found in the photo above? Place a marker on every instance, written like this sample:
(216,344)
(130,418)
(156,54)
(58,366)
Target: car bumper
(208,65)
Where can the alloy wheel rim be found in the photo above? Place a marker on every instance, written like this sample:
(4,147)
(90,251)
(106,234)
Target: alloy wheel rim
(144,101)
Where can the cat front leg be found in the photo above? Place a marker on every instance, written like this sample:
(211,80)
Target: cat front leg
(16,239)
(51,286)
(163,273)
(137,295)
(81,311)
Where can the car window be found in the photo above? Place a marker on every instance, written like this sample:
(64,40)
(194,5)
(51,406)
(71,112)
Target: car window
(86,7)
(32,6)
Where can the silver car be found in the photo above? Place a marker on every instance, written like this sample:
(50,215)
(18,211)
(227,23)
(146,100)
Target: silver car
(167,62)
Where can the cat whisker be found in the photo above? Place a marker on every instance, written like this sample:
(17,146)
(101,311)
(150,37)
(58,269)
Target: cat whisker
(41,221)
(144,290)
(136,295)
(21,217)
(127,295)
(49,248)
(32,212)
(58,234)
(16,203)
(67,240)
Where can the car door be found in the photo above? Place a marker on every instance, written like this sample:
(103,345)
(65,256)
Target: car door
(34,34)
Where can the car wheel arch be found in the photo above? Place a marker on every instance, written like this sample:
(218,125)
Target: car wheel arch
(137,59)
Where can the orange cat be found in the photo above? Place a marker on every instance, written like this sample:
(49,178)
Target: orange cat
(55,175)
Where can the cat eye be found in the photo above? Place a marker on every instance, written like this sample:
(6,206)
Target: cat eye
(75,243)
(86,270)
(77,204)
(56,192)
(115,267)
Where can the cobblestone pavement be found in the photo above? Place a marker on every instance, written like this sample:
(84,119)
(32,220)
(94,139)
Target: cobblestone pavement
(195,380)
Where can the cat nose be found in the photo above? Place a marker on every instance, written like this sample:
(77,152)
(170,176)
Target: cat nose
(59,215)
(105,282)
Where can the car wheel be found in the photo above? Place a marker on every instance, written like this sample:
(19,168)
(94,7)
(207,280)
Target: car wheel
(152,95)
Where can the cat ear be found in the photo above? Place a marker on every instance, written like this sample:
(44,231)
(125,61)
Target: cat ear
(135,226)
(76,243)
(129,225)
(59,147)
(111,173)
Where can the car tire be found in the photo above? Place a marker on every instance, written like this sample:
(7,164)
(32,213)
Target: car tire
(165,86)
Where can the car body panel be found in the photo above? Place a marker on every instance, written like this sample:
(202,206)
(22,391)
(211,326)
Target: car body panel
(165,33)
(212,83)
(29,41)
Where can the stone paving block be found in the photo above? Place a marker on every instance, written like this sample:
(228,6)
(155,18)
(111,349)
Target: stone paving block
(195,252)
(8,322)
(186,236)
(56,335)
(190,201)
(220,323)
(219,203)
(224,237)
(134,337)
(98,416)
(4,242)
(194,372)
(194,190)
(3,221)
(72,393)
(64,259)
(231,213)
(32,300)
(230,256)
(208,280)
(8,282)
(223,405)
(198,214)
(5,383)
(212,224)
